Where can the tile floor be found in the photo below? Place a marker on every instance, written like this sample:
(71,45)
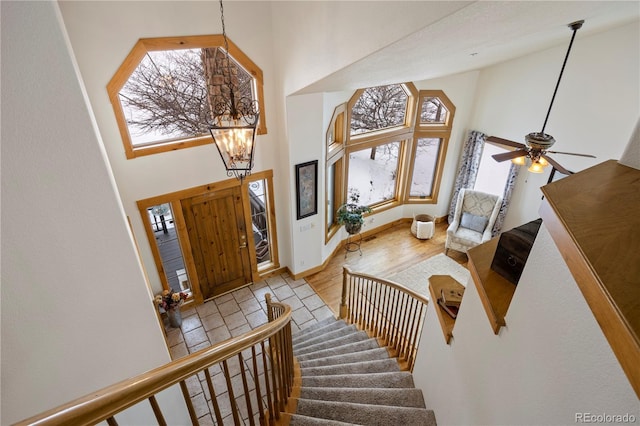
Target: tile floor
(231,315)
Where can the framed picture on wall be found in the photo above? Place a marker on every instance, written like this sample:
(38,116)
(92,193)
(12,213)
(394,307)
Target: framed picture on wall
(307,189)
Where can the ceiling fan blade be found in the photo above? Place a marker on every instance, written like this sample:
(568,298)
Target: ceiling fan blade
(572,153)
(506,142)
(557,166)
(509,155)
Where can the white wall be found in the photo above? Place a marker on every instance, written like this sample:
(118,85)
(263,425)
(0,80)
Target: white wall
(550,362)
(631,155)
(320,37)
(594,112)
(76,312)
(305,144)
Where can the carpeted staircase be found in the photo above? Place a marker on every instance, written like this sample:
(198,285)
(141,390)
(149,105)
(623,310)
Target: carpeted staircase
(347,378)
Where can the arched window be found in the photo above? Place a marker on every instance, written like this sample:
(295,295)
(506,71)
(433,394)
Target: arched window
(163,92)
(393,150)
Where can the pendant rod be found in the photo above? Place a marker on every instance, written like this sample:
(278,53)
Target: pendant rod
(233,112)
(575,26)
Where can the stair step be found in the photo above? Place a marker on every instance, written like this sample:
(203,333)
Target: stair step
(402,379)
(369,355)
(349,338)
(344,377)
(330,335)
(300,420)
(401,397)
(318,331)
(315,326)
(377,366)
(365,414)
(362,345)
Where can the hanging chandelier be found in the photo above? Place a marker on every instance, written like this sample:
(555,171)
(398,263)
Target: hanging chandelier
(235,118)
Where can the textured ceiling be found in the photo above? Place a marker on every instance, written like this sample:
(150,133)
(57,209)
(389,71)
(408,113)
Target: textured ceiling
(478,35)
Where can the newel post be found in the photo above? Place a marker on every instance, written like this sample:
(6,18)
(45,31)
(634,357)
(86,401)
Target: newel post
(344,309)
(267,298)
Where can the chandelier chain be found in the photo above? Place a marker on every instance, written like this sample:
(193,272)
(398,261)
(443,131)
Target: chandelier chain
(226,51)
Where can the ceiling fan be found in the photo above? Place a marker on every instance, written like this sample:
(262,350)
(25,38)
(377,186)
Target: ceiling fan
(537,144)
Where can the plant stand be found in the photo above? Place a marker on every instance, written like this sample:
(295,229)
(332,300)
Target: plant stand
(353,244)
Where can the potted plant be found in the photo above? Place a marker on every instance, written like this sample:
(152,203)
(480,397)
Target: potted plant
(350,214)
(170,302)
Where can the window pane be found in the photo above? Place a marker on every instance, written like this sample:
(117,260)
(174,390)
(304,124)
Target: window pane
(373,173)
(424,167)
(259,220)
(492,176)
(433,111)
(167,96)
(331,184)
(164,230)
(379,108)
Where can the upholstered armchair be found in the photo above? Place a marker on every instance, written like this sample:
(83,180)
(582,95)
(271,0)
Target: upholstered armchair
(473,220)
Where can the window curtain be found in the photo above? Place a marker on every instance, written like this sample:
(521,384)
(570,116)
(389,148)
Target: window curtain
(469,164)
(506,198)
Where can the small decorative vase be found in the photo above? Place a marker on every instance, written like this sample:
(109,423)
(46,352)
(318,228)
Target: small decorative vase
(175,317)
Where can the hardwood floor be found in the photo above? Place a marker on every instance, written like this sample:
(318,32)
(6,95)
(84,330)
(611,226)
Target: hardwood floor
(383,254)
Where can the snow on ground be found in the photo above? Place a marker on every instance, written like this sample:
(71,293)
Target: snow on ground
(375,180)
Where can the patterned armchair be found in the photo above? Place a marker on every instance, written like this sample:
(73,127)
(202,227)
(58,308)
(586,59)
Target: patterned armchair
(473,220)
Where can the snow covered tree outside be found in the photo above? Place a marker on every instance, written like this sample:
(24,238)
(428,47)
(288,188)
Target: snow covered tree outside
(167,96)
(379,108)
(374,178)
(433,111)
(424,167)
(373,170)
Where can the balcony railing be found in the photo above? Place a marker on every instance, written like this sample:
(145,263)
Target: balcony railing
(386,310)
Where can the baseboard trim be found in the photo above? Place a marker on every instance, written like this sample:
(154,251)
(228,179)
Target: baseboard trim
(340,247)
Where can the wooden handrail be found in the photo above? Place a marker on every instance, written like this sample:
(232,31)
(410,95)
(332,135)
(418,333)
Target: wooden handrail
(111,400)
(385,309)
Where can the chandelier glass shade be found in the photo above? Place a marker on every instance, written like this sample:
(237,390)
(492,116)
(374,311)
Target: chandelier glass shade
(235,145)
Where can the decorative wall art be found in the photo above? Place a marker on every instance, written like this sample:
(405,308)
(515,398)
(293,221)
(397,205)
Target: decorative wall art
(307,189)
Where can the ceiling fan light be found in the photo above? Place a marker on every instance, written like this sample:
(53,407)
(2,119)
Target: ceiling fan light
(519,161)
(543,162)
(536,167)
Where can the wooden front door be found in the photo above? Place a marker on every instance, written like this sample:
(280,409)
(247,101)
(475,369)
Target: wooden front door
(216,227)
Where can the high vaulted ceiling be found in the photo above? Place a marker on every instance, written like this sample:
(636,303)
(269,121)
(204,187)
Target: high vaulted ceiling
(477,35)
